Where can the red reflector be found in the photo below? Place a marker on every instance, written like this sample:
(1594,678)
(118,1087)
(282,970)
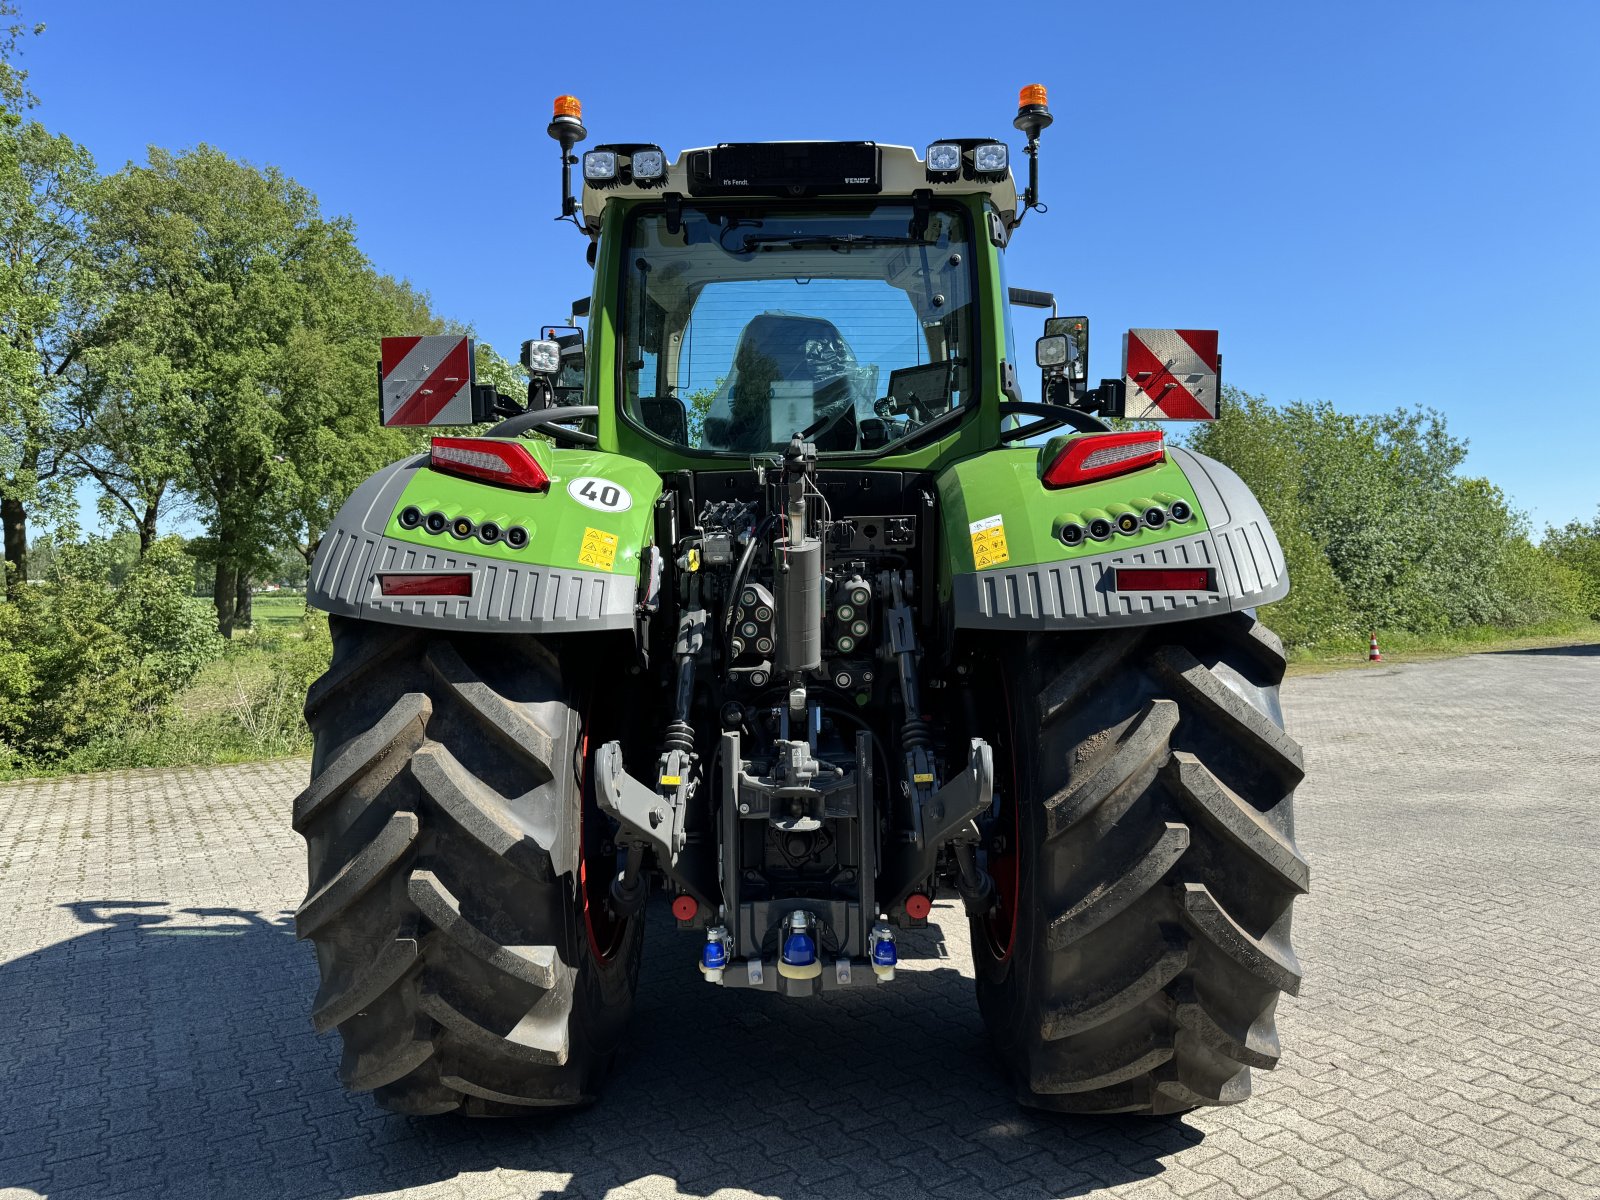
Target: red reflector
(509,463)
(1163,579)
(918,906)
(685,907)
(1102,455)
(414,584)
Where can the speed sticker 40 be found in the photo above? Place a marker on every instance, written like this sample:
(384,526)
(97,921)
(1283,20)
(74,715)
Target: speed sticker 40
(600,494)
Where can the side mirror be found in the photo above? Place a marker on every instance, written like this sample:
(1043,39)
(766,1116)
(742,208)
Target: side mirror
(1074,331)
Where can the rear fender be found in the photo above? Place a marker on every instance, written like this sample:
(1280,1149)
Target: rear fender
(1006,568)
(588,535)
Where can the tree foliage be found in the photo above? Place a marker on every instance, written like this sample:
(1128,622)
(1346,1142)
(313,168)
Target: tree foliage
(47,299)
(1379,527)
(1576,548)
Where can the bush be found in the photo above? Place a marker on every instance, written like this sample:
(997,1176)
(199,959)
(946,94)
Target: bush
(1576,547)
(1378,528)
(86,657)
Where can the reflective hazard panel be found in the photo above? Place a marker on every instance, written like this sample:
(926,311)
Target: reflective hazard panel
(426,380)
(1171,374)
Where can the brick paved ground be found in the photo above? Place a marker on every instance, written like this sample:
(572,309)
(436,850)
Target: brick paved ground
(154,1041)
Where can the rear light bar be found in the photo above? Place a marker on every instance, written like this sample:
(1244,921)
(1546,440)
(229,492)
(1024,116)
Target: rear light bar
(1102,455)
(509,463)
(1162,579)
(415,583)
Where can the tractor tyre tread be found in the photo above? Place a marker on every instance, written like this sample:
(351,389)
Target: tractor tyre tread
(1156,869)
(443,837)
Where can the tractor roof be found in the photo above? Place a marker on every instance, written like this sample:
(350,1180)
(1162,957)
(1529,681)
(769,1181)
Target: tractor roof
(899,172)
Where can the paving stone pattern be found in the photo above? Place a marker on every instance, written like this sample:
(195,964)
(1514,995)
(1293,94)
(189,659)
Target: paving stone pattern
(154,1039)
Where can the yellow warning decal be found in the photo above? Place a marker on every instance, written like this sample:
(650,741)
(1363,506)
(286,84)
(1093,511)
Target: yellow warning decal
(921,778)
(989,542)
(599,549)
(671,780)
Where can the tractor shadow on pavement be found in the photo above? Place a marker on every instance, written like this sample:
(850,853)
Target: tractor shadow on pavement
(1586,650)
(166,1053)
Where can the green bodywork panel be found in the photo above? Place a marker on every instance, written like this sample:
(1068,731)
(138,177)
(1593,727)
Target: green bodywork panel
(1005,484)
(562,531)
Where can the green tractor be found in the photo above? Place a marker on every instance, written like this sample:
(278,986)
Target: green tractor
(775,596)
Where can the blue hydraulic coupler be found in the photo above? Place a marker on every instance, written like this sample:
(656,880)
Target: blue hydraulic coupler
(884,955)
(798,959)
(714,958)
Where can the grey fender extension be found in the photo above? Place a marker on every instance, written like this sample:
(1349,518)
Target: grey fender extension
(507,597)
(1239,546)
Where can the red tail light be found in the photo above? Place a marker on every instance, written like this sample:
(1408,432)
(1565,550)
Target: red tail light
(509,463)
(1163,579)
(1102,455)
(415,583)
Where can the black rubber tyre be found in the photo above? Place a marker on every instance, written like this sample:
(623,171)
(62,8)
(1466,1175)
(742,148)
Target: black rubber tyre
(466,957)
(1144,854)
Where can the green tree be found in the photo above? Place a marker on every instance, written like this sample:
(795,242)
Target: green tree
(133,413)
(1576,548)
(244,322)
(1378,525)
(1249,437)
(14,93)
(696,410)
(46,300)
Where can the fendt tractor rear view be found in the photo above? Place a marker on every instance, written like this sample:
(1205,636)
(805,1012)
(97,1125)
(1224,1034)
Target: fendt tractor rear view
(773,595)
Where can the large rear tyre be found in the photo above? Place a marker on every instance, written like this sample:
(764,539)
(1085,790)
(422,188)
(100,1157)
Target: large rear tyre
(1143,850)
(457,875)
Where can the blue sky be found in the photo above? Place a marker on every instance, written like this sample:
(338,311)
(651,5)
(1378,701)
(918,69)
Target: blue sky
(1377,204)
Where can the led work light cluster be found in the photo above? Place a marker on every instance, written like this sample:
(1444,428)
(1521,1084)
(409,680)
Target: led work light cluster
(606,166)
(1102,524)
(462,528)
(967,158)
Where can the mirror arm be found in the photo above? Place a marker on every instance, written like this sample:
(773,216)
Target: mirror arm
(1108,400)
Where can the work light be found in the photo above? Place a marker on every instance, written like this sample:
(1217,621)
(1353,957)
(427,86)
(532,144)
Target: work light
(991,158)
(599,166)
(944,158)
(649,165)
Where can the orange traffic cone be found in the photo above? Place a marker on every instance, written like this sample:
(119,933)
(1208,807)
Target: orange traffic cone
(1373,653)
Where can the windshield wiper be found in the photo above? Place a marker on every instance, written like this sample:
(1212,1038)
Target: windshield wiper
(834,241)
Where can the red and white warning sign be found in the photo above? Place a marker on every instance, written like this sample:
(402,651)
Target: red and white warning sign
(1171,374)
(426,380)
